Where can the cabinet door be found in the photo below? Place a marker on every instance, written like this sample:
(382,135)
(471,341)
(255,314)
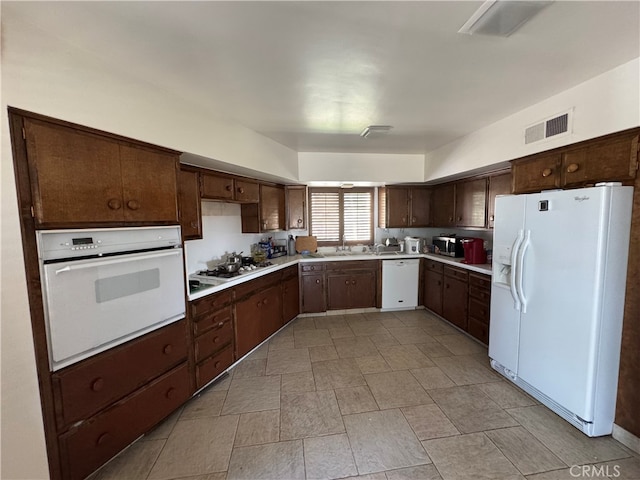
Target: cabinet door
(290,299)
(442,205)
(338,286)
(271,208)
(397,207)
(498,185)
(296,207)
(149,185)
(247,191)
(600,162)
(189,204)
(75,176)
(420,207)
(313,297)
(433,291)
(362,290)
(454,301)
(540,172)
(216,187)
(471,203)
(248,329)
(271,311)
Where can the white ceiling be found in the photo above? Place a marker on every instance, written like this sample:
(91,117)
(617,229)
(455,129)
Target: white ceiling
(312,75)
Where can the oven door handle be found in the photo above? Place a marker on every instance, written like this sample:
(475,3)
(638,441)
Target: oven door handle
(122,259)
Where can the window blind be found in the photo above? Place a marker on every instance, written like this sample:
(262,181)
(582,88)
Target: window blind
(337,212)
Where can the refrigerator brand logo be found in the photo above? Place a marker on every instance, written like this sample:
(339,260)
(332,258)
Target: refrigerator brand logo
(581,199)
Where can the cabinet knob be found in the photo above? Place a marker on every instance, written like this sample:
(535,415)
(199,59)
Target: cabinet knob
(133,205)
(103,438)
(299,221)
(353,282)
(450,219)
(114,204)
(413,219)
(167,349)
(492,217)
(216,339)
(228,188)
(265,301)
(216,365)
(459,219)
(318,281)
(546,172)
(194,224)
(240,190)
(346,282)
(97,384)
(220,324)
(259,304)
(169,394)
(574,167)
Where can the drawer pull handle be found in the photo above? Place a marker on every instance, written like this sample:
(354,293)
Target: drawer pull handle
(574,167)
(546,172)
(240,190)
(170,393)
(133,205)
(103,438)
(167,349)
(114,204)
(97,384)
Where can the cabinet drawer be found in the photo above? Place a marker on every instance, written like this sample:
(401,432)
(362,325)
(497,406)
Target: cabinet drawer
(480,293)
(479,310)
(83,389)
(456,273)
(479,330)
(312,267)
(259,284)
(211,320)
(210,303)
(480,281)
(434,266)
(353,265)
(213,366)
(85,448)
(213,340)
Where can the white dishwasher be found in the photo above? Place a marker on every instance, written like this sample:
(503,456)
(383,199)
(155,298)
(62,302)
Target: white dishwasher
(400,284)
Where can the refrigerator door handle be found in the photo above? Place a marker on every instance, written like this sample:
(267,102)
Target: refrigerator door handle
(520,270)
(517,304)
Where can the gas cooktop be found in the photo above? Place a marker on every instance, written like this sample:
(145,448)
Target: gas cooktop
(220,274)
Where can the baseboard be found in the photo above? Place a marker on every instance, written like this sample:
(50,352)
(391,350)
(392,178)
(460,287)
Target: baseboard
(628,439)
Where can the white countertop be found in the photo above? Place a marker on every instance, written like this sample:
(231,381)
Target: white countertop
(286,261)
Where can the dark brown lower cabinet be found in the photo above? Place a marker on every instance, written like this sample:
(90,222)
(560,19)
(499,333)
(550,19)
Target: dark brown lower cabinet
(312,288)
(257,316)
(351,284)
(479,306)
(433,286)
(290,294)
(454,296)
(85,447)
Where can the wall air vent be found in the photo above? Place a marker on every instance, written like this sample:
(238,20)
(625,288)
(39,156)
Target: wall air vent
(550,127)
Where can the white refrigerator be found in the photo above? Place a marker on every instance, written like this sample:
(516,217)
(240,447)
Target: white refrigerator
(557,298)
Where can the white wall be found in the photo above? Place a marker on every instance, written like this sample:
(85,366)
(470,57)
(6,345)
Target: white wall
(360,167)
(605,104)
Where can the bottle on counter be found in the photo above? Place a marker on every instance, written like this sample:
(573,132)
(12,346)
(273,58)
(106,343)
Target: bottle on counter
(291,248)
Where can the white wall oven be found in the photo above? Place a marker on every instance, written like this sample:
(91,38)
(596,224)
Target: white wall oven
(104,287)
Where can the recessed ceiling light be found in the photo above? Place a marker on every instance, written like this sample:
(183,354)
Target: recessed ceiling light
(502,17)
(375,130)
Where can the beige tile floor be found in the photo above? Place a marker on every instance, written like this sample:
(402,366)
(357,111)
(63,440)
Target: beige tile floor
(378,396)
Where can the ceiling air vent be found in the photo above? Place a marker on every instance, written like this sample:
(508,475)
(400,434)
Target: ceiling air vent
(550,127)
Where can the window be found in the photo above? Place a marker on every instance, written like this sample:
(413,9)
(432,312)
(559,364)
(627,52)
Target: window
(338,213)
